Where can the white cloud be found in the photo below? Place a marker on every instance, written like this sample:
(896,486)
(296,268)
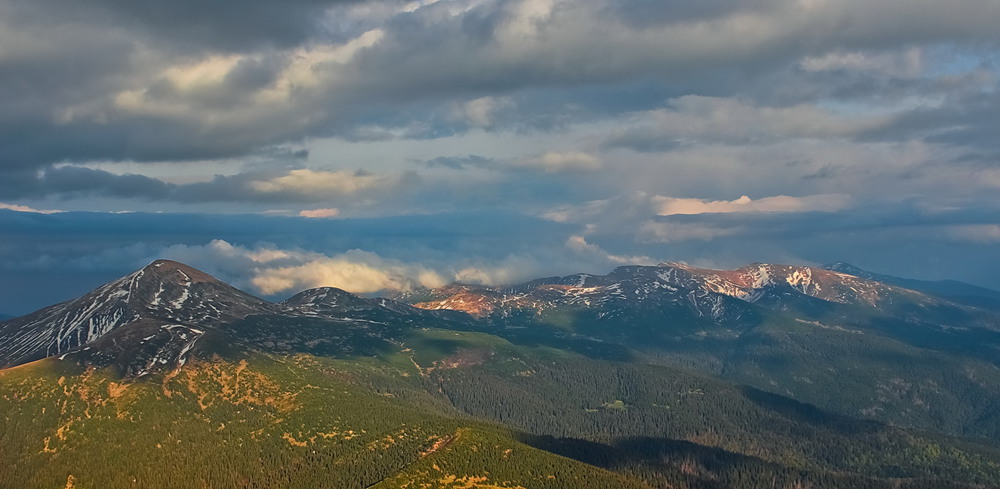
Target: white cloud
(354,271)
(305,73)
(319,213)
(486,275)
(270,270)
(580,245)
(24,208)
(909,63)
(319,183)
(669,206)
(479,112)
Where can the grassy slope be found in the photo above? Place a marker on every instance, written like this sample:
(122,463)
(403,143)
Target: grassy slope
(295,421)
(401,419)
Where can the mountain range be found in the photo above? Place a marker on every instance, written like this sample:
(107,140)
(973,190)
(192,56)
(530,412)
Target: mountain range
(649,376)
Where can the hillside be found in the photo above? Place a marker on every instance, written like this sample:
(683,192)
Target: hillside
(263,422)
(580,381)
(905,357)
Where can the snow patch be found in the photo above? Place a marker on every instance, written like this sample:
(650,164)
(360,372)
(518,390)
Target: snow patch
(179,302)
(156,298)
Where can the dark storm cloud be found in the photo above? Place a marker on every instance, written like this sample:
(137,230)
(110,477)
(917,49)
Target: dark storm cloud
(260,187)
(63,65)
(30,143)
(75,181)
(274,185)
(69,180)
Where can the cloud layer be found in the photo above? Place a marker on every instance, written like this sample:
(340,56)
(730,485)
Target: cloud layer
(613,131)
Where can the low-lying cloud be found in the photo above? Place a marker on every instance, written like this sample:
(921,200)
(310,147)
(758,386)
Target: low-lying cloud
(319,183)
(24,208)
(356,271)
(326,213)
(669,206)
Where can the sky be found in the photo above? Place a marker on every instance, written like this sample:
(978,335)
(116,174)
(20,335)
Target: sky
(390,145)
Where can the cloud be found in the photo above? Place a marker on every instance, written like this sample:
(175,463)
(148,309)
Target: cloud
(24,208)
(264,186)
(846,120)
(48,258)
(905,64)
(115,81)
(729,120)
(669,206)
(673,232)
(976,233)
(270,270)
(480,112)
(580,245)
(319,213)
(224,25)
(78,181)
(511,269)
(578,212)
(556,162)
(459,162)
(355,271)
(310,182)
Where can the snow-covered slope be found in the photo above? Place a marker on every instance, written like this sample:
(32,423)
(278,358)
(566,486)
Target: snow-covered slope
(756,281)
(702,293)
(626,290)
(155,318)
(165,293)
(331,301)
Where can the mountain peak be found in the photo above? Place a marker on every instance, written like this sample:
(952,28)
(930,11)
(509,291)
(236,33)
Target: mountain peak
(325,299)
(844,267)
(165,269)
(164,292)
